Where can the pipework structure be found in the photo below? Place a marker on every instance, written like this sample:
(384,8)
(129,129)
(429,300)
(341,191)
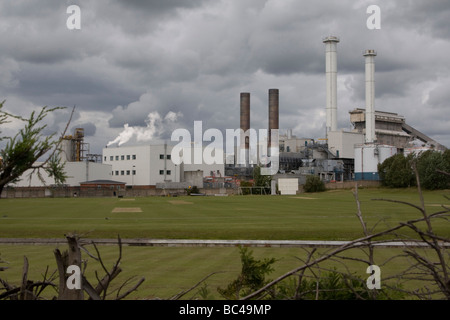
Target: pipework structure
(73,147)
(370,95)
(331,82)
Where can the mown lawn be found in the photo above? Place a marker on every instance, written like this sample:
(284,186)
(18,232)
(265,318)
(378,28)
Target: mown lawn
(319,216)
(171,270)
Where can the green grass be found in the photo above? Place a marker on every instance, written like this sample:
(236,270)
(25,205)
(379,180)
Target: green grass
(170,270)
(326,216)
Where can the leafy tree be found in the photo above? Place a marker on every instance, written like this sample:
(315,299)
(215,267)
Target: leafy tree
(313,184)
(429,163)
(21,151)
(259,179)
(396,171)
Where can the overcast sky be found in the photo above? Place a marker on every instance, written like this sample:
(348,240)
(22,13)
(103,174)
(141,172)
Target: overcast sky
(162,64)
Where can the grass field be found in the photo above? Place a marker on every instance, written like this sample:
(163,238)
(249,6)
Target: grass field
(170,270)
(319,216)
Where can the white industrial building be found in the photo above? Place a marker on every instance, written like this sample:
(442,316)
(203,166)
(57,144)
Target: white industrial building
(150,165)
(76,172)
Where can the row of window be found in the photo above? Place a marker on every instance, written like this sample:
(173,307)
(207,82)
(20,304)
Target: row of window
(132,157)
(122,157)
(133,172)
(122,172)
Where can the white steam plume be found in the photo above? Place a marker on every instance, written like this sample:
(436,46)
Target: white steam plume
(156,126)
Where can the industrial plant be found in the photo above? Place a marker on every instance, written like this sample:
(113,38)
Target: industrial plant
(351,155)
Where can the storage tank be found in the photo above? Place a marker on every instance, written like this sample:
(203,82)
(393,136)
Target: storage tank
(66,148)
(367,158)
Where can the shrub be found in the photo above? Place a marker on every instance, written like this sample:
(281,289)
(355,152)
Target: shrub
(244,185)
(252,277)
(314,184)
(193,189)
(333,285)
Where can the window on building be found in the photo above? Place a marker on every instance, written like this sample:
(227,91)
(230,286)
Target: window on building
(111,158)
(122,173)
(117,158)
(161,171)
(161,156)
(128,157)
(169,157)
(134,157)
(112,173)
(134,172)
(168,172)
(128,172)
(117,172)
(104,159)
(122,157)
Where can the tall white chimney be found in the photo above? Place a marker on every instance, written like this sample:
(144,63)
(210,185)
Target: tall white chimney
(331,76)
(370,95)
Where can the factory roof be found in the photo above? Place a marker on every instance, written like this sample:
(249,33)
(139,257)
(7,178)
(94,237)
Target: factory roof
(102,182)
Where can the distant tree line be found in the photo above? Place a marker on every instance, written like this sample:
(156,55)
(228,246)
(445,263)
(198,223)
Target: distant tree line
(432,167)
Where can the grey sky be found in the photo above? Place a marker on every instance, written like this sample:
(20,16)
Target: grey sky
(193,58)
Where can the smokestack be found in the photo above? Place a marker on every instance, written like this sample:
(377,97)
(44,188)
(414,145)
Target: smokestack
(245,118)
(370,95)
(331,77)
(273,112)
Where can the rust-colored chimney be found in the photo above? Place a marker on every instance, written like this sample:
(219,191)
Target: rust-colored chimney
(273,112)
(245,118)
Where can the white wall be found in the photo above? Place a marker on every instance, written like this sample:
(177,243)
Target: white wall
(344,142)
(147,164)
(76,171)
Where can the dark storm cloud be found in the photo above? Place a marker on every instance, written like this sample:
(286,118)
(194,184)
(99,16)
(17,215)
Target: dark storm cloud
(158,7)
(66,87)
(427,17)
(133,58)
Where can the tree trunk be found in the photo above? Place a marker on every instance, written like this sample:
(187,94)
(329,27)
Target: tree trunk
(64,260)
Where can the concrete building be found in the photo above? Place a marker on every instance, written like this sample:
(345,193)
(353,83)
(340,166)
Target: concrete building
(141,165)
(152,165)
(388,127)
(342,143)
(291,143)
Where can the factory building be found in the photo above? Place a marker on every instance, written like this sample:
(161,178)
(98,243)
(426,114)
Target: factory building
(391,129)
(152,165)
(341,155)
